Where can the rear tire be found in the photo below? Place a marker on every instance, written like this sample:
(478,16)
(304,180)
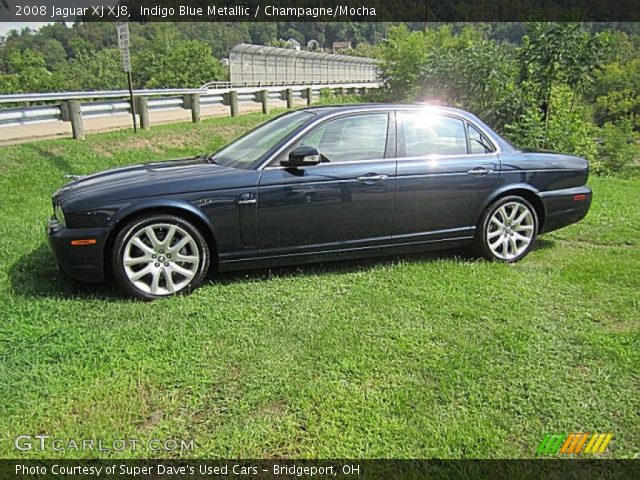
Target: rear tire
(159,255)
(507,230)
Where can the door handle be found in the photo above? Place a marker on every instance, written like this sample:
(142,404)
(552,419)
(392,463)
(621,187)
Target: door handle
(247,199)
(372,178)
(479,171)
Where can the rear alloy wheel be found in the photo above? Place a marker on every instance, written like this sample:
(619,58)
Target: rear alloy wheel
(508,230)
(160,255)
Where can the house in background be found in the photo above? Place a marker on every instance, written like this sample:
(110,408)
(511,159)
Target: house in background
(337,47)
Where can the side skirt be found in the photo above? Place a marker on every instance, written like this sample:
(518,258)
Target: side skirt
(344,254)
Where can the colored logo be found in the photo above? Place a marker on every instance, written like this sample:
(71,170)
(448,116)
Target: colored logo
(574,443)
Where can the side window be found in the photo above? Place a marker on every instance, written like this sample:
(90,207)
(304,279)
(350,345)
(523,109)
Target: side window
(352,138)
(478,143)
(432,134)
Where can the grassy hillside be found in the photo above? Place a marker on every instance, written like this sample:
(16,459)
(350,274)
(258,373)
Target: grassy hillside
(421,356)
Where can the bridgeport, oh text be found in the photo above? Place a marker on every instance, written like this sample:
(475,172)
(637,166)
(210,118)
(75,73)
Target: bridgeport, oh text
(276,469)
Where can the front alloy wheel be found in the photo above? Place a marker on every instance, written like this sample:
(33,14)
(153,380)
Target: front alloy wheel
(508,230)
(159,256)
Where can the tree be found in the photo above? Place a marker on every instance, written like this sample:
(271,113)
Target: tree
(463,70)
(78,46)
(97,71)
(569,129)
(30,73)
(220,36)
(186,64)
(615,90)
(403,56)
(54,54)
(263,32)
(555,53)
(362,49)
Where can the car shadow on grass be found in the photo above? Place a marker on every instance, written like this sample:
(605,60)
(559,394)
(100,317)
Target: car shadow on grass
(337,266)
(347,266)
(543,244)
(36,274)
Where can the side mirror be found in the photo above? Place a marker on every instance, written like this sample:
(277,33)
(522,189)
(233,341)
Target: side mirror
(302,156)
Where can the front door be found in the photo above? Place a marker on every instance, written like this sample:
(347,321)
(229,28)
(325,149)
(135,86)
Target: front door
(346,201)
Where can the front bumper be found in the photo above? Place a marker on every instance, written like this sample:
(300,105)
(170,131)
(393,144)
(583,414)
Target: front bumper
(564,207)
(83,262)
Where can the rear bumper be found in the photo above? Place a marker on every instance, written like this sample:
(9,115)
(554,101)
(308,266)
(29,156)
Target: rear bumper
(83,262)
(564,207)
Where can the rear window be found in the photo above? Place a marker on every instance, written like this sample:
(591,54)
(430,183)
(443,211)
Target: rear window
(425,133)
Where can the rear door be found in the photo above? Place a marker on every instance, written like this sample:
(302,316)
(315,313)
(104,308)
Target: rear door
(446,167)
(344,202)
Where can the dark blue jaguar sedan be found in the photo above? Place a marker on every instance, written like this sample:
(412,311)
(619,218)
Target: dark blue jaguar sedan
(316,184)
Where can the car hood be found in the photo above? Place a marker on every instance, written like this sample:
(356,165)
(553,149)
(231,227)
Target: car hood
(157,178)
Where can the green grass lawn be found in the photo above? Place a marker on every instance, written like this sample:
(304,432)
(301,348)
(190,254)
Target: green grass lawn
(421,356)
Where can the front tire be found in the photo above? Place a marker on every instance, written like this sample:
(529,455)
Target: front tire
(507,230)
(159,255)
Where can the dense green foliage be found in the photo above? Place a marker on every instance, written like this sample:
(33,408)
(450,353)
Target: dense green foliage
(411,357)
(163,54)
(83,56)
(562,87)
(559,86)
(86,57)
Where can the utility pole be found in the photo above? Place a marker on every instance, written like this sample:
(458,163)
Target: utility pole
(426,20)
(123,44)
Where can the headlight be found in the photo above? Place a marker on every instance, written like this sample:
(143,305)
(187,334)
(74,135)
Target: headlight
(59,213)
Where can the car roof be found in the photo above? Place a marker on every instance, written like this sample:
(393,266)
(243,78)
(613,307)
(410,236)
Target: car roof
(331,109)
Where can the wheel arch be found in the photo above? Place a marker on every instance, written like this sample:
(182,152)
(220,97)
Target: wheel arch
(188,212)
(523,190)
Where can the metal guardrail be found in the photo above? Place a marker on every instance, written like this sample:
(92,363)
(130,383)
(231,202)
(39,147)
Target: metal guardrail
(116,102)
(51,96)
(74,106)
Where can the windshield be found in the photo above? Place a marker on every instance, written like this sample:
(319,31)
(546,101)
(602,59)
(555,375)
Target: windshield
(248,149)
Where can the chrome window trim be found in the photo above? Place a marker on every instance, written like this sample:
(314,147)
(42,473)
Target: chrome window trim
(334,164)
(428,158)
